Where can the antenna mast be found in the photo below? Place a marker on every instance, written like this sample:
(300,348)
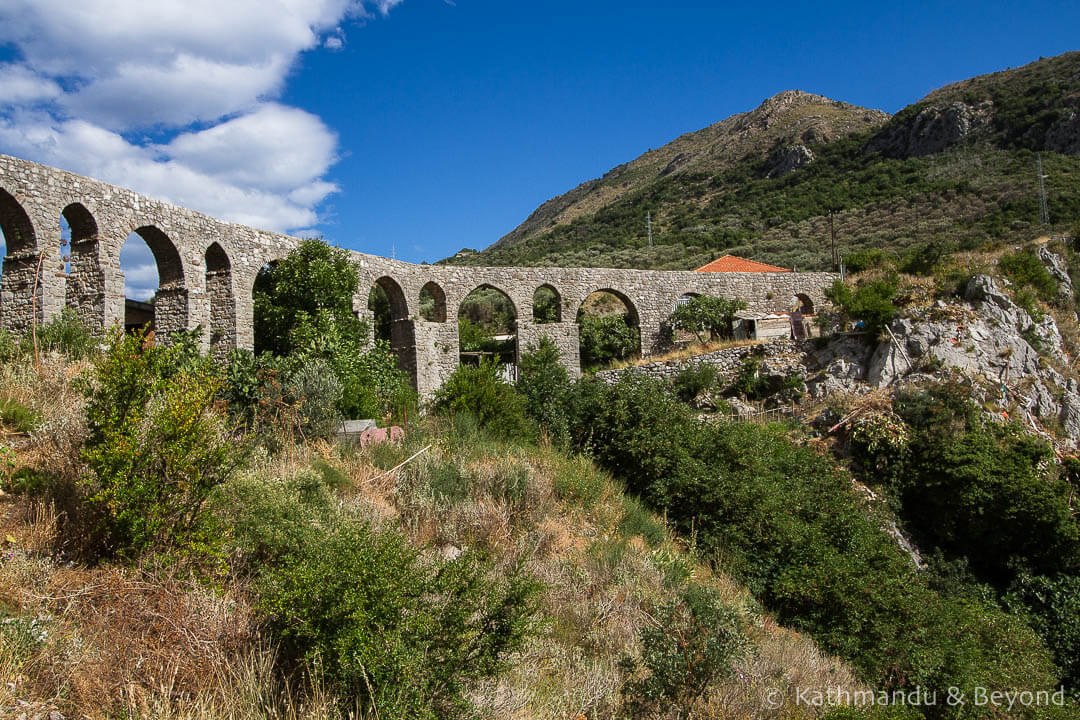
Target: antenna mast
(648,219)
(1044,213)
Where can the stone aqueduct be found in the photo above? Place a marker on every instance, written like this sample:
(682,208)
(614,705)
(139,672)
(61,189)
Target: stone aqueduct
(207,268)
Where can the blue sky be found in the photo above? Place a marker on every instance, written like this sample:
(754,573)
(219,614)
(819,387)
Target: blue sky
(418,127)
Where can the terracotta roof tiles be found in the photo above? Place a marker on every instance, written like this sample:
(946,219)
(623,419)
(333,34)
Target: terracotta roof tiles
(730,263)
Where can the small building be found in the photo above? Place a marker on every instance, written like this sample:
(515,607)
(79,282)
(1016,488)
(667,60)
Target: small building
(762,326)
(732,263)
(138,314)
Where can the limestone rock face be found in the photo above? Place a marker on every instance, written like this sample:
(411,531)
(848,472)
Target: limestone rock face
(933,130)
(790,158)
(1056,265)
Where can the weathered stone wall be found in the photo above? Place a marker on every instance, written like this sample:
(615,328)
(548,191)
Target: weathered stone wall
(207,269)
(780,356)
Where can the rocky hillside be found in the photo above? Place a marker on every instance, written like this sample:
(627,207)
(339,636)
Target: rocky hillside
(788,180)
(778,131)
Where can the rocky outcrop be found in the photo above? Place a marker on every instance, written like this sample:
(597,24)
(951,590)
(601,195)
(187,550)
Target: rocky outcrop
(933,129)
(789,158)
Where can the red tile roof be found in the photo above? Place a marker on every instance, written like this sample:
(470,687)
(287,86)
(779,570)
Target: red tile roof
(730,263)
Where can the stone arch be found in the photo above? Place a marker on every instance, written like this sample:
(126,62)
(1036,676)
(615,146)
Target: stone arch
(491,331)
(222,302)
(806,305)
(19,235)
(685,298)
(595,352)
(85,285)
(169,310)
(547,304)
(432,303)
(388,305)
(20,265)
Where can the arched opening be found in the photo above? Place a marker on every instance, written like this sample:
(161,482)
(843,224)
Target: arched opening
(487,329)
(804,304)
(802,316)
(85,277)
(432,303)
(219,294)
(608,329)
(154,291)
(547,305)
(16,226)
(387,304)
(390,315)
(20,263)
(679,336)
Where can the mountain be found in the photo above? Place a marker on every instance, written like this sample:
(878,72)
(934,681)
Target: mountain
(775,184)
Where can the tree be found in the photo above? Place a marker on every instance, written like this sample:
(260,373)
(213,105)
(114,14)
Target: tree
(311,285)
(704,314)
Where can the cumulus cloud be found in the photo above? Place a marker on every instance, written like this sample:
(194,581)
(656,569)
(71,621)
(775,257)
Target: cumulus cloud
(202,75)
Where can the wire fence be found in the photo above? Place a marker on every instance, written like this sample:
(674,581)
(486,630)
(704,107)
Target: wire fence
(763,415)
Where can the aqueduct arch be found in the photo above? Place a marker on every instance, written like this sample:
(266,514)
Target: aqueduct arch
(207,271)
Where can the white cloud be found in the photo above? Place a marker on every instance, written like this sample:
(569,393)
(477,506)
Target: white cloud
(20,85)
(203,74)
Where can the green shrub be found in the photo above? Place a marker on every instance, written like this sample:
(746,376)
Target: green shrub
(68,334)
(1025,269)
(639,522)
(578,481)
(604,339)
(787,523)
(695,379)
(861,260)
(1051,605)
(315,392)
(695,642)
(872,303)
(389,632)
(156,446)
(17,416)
(480,391)
(543,381)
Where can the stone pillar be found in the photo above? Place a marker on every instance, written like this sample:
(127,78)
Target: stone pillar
(86,283)
(221,313)
(655,337)
(20,309)
(171,312)
(563,334)
(436,355)
(403,343)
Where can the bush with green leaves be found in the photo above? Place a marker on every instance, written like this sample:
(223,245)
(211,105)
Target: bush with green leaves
(707,317)
(695,379)
(695,642)
(1025,269)
(303,311)
(313,284)
(389,631)
(871,302)
(1051,605)
(68,334)
(157,445)
(604,339)
(543,381)
(315,392)
(786,521)
(481,392)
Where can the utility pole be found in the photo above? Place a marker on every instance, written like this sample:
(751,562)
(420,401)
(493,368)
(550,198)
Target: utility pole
(1044,213)
(832,235)
(648,219)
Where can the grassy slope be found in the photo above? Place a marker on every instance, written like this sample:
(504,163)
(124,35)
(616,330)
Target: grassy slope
(717,203)
(152,642)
